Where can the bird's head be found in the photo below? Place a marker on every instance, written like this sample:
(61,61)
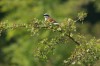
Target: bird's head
(46,15)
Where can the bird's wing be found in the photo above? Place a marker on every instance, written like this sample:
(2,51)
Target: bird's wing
(51,20)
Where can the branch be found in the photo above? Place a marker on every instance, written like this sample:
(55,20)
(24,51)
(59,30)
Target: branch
(73,39)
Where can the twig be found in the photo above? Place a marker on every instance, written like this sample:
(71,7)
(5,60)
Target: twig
(73,39)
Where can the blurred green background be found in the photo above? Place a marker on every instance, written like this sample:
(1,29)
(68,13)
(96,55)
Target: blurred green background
(17,46)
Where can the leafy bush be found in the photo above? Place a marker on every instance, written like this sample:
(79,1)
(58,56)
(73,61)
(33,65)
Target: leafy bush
(83,49)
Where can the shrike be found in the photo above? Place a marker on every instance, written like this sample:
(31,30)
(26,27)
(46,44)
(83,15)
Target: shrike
(49,19)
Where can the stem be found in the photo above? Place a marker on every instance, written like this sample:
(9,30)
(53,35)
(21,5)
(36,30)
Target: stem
(73,39)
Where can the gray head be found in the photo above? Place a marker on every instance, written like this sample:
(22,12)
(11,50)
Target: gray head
(45,15)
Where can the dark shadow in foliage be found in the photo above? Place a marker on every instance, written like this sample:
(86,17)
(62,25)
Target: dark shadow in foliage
(93,16)
(1,56)
(62,1)
(2,15)
(4,43)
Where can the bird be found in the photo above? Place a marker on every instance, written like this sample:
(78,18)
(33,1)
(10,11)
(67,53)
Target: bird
(49,19)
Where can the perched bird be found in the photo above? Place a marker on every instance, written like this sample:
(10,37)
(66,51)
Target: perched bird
(49,19)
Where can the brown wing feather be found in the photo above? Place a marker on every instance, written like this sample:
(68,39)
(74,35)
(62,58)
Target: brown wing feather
(51,20)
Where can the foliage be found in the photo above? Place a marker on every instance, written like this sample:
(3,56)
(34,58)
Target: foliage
(25,11)
(25,41)
(86,51)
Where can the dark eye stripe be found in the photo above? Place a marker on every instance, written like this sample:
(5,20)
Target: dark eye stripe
(45,15)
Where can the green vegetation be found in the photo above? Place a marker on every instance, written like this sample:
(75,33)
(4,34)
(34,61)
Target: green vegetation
(27,40)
